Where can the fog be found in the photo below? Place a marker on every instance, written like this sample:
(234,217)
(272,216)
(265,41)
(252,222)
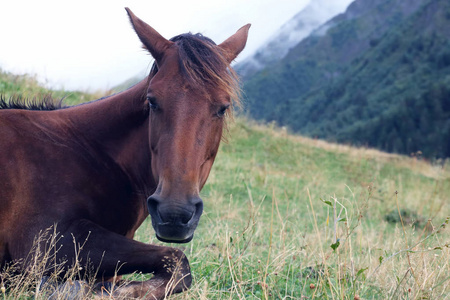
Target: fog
(91,45)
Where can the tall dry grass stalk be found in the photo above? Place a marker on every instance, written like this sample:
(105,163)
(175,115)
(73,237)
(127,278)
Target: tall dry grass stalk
(287,218)
(338,257)
(41,275)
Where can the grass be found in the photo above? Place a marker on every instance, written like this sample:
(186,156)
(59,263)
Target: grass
(28,87)
(287,217)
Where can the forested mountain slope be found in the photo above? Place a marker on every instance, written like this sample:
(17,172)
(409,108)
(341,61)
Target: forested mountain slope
(377,75)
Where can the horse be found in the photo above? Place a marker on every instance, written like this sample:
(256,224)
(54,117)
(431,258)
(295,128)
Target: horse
(97,170)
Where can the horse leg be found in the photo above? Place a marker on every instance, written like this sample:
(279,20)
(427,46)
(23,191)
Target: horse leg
(111,254)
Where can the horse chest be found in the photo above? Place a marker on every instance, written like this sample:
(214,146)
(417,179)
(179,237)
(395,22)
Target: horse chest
(74,185)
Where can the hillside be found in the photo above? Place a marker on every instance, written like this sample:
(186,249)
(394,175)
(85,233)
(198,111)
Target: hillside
(289,217)
(377,75)
(27,87)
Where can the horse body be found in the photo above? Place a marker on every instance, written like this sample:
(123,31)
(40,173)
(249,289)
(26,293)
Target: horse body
(96,170)
(59,166)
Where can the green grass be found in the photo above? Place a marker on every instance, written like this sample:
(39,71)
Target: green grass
(271,204)
(276,204)
(28,87)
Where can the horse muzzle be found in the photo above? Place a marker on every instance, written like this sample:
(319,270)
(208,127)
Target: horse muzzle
(174,221)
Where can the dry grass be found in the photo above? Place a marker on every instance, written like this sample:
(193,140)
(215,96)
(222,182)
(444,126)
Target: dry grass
(17,282)
(288,217)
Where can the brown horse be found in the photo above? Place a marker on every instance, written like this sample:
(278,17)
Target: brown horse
(97,169)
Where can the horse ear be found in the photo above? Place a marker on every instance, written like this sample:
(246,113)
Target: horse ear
(235,43)
(152,40)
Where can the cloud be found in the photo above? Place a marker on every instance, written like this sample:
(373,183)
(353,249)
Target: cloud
(90,44)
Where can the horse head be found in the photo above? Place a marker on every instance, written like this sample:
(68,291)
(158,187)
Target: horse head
(190,88)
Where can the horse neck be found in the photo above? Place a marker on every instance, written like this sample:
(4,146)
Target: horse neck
(118,127)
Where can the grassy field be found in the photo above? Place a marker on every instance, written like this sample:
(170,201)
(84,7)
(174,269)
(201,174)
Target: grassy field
(28,87)
(287,217)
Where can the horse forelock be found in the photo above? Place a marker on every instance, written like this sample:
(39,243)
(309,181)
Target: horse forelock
(204,64)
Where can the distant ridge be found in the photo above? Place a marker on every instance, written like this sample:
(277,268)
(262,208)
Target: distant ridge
(376,75)
(290,34)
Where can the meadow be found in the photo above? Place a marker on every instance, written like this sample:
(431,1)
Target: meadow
(288,217)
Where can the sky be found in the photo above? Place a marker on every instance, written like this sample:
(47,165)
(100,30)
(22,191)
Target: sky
(90,45)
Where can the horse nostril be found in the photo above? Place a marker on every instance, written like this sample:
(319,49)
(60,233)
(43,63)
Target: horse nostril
(198,209)
(152,204)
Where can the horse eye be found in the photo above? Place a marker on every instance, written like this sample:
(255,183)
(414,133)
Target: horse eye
(152,103)
(222,111)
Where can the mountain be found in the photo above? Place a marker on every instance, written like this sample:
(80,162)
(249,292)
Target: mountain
(290,34)
(376,75)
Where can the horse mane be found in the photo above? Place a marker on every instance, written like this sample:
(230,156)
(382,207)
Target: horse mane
(204,63)
(47,102)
